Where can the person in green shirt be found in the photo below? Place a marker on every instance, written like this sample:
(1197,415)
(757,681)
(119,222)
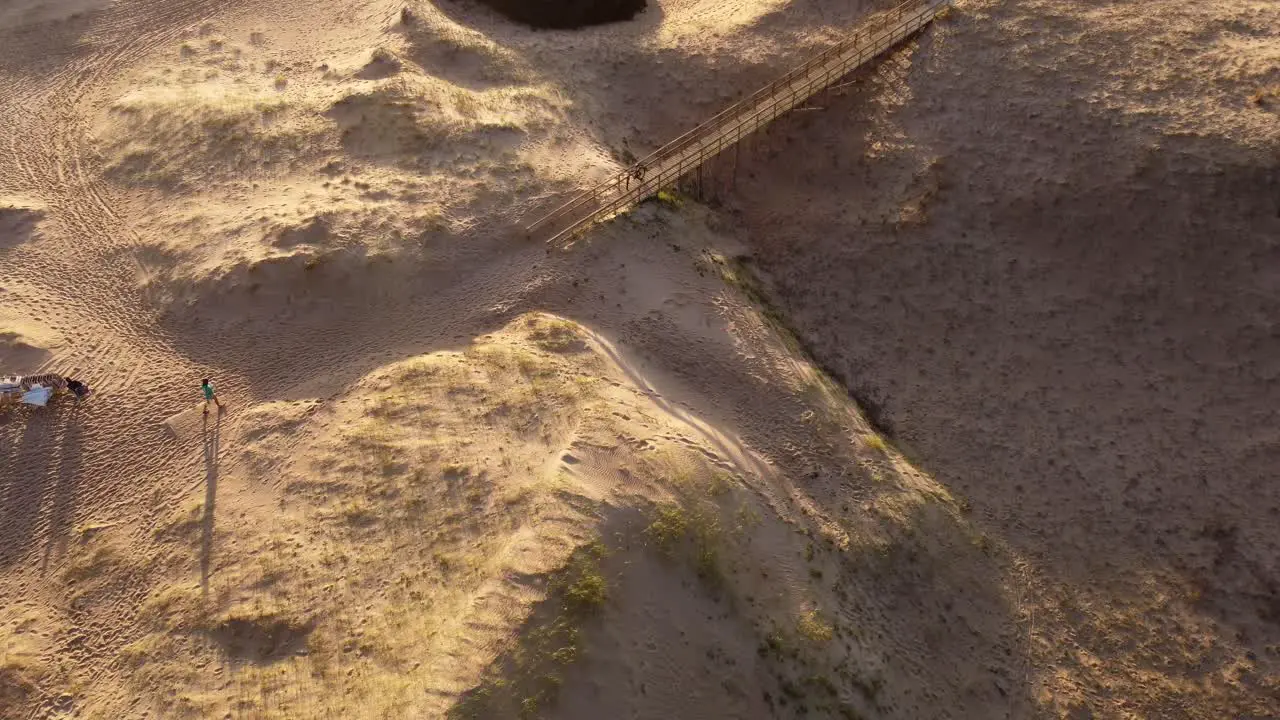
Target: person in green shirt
(209,394)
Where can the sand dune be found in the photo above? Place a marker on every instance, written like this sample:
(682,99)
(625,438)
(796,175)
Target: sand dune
(461,475)
(1052,293)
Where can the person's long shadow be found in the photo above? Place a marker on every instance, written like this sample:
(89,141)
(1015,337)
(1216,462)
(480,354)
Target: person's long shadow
(40,458)
(28,451)
(211,442)
(67,489)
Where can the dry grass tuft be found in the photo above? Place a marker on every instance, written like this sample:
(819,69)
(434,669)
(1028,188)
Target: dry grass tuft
(814,627)
(527,679)
(874,442)
(22,671)
(174,135)
(669,198)
(692,533)
(1265,96)
(555,334)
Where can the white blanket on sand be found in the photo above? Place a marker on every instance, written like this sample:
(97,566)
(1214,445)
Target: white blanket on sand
(38,395)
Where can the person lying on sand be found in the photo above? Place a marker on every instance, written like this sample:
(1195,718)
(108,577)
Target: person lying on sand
(77,388)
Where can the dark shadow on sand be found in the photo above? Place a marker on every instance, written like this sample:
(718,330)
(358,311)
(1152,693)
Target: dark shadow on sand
(1085,356)
(66,490)
(920,615)
(43,447)
(211,439)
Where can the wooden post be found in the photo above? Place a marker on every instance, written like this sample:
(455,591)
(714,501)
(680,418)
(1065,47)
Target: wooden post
(737,155)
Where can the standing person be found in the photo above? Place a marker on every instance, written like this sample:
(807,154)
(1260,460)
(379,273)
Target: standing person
(209,394)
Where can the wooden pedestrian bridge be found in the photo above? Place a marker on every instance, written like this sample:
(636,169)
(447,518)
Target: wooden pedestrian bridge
(687,153)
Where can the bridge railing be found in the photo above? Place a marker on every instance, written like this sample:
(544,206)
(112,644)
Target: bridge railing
(665,166)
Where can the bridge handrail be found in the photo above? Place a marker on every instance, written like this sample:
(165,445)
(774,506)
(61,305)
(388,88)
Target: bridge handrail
(869,39)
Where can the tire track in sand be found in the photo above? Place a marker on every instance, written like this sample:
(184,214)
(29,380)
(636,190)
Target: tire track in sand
(106,459)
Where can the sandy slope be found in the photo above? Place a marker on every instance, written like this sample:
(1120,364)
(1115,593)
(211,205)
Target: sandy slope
(469,476)
(1058,284)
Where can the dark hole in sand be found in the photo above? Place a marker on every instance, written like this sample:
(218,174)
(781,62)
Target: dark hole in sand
(566,14)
